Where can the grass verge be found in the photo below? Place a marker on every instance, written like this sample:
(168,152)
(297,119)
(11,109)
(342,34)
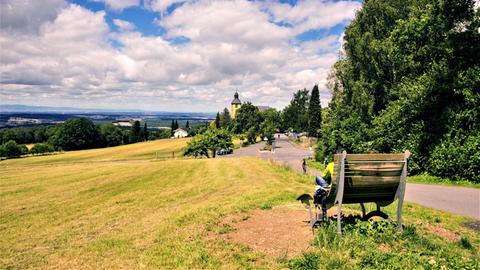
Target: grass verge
(430,179)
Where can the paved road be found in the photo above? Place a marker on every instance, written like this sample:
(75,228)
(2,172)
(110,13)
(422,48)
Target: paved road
(458,200)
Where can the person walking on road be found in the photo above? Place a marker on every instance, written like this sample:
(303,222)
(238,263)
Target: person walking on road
(304,166)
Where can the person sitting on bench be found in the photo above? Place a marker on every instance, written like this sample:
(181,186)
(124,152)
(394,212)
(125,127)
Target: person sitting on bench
(322,187)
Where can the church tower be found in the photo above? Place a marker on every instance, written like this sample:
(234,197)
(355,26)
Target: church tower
(236,104)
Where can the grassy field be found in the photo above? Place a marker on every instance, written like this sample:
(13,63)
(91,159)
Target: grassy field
(137,151)
(77,210)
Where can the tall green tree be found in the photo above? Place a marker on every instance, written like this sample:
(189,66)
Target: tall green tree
(145,132)
(136,132)
(295,115)
(314,113)
(172,128)
(225,118)
(217,120)
(409,80)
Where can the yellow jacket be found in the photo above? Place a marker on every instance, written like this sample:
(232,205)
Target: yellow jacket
(328,172)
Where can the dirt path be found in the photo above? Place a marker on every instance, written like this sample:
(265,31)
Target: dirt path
(459,200)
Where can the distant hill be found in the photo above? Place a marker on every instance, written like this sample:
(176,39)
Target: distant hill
(33,108)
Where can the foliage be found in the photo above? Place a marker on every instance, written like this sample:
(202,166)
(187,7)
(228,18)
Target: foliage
(41,148)
(145,132)
(295,115)
(225,119)
(26,135)
(462,153)
(314,113)
(136,133)
(210,141)
(11,149)
(217,120)
(111,135)
(408,80)
(76,134)
(248,117)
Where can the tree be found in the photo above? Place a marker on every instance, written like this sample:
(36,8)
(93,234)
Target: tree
(136,132)
(247,118)
(211,140)
(409,79)
(76,134)
(145,132)
(172,128)
(187,126)
(225,118)
(314,113)
(176,124)
(217,120)
(111,135)
(295,115)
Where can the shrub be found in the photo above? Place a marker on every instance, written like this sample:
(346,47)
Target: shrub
(457,158)
(41,148)
(11,149)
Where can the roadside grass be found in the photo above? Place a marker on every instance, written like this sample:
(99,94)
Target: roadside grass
(430,240)
(311,163)
(430,179)
(136,151)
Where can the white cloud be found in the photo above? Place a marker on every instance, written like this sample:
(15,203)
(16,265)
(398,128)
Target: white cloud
(119,4)
(234,45)
(162,5)
(26,16)
(313,14)
(124,25)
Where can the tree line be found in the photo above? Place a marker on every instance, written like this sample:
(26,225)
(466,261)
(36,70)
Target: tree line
(73,134)
(409,78)
(302,114)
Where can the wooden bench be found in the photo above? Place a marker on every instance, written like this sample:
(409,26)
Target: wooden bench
(368,178)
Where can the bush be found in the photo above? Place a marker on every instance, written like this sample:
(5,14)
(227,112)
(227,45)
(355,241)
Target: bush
(457,158)
(41,148)
(11,149)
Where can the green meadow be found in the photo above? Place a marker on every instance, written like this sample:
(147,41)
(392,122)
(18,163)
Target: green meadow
(120,208)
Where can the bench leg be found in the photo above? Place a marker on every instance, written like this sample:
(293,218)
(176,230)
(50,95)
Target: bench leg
(399,213)
(363,210)
(339,218)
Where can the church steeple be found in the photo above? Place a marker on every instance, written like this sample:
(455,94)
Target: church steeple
(236,104)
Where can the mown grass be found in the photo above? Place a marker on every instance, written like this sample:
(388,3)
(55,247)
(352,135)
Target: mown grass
(134,215)
(137,151)
(80,212)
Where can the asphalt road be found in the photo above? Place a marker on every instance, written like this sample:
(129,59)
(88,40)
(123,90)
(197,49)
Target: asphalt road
(459,200)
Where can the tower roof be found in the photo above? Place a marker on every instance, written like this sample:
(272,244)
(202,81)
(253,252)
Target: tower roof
(236,100)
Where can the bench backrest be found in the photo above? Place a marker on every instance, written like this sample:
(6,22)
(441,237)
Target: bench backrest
(368,177)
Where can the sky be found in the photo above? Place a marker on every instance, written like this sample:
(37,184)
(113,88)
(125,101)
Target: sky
(167,55)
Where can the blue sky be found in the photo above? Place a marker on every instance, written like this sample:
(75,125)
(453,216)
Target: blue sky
(169,55)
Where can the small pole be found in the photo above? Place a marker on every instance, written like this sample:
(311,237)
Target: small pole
(156,154)
(173,154)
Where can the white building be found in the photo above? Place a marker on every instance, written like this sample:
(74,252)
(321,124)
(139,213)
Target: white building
(180,133)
